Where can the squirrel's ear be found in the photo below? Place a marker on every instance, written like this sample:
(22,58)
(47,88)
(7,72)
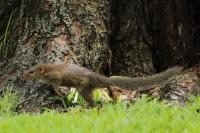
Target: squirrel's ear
(41,69)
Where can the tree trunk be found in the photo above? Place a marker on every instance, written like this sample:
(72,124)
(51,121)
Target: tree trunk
(148,35)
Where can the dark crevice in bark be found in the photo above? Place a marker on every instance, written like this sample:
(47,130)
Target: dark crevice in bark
(171,28)
(130,40)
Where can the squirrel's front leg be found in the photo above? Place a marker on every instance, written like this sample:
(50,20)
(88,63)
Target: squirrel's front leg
(57,90)
(54,78)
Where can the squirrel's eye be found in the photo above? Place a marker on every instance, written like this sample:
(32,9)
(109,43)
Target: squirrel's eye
(31,72)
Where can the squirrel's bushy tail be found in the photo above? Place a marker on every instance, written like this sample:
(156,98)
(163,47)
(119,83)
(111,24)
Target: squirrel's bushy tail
(141,82)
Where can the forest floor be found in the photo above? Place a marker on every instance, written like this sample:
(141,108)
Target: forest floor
(144,116)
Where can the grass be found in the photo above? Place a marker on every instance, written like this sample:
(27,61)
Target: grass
(8,102)
(3,38)
(143,117)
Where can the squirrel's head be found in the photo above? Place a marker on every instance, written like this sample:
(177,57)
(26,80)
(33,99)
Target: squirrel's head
(34,73)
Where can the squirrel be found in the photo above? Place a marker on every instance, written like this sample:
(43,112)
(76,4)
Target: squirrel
(69,75)
(85,81)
